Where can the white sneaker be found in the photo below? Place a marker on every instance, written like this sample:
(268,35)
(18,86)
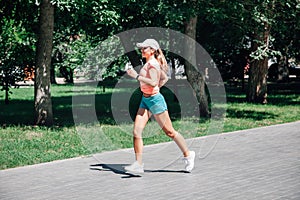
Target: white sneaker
(189,161)
(135,168)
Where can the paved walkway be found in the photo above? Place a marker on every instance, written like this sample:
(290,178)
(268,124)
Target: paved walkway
(261,163)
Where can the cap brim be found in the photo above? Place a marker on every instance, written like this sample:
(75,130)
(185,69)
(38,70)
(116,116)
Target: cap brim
(140,45)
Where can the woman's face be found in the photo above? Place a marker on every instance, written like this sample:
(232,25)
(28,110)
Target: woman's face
(147,52)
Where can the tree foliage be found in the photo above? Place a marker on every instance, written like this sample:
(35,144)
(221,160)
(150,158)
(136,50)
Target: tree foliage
(230,30)
(16,50)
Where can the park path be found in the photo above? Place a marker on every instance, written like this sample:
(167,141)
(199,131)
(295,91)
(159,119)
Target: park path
(261,163)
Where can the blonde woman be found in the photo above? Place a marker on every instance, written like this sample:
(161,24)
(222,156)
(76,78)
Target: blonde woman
(152,76)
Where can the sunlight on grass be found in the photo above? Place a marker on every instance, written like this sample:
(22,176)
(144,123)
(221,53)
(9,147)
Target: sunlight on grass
(31,145)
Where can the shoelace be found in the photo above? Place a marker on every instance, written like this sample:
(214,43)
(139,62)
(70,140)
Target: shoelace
(185,160)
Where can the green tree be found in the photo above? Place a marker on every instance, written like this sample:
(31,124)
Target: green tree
(15,46)
(267,19)
(284,32)
(224,28)
(194,76)
(69,55)
(16,43)
(257,29)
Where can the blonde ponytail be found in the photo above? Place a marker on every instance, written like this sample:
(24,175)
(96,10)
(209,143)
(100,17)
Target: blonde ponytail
(162,60)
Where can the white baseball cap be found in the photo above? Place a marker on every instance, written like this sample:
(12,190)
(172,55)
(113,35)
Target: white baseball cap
(149,43)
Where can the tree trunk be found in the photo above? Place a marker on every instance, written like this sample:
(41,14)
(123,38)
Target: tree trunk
(257,87)
(194,77)
(6,88)
(42,92)
(52,75)
(257,90)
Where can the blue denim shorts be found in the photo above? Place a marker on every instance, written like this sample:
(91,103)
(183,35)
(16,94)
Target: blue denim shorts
(155,104)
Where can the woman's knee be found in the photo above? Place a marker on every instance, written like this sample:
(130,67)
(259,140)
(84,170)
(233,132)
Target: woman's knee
(170,132)
(136,133)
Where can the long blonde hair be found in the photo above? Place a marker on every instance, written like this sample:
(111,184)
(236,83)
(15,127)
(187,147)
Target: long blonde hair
(159,55)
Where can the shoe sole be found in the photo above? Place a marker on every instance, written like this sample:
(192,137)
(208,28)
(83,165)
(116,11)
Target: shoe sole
(134,173)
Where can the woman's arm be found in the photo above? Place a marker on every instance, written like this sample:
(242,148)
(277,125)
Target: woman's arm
(163,79)
(153,80)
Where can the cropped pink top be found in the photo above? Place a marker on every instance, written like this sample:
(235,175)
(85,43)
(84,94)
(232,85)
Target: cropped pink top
(146,88)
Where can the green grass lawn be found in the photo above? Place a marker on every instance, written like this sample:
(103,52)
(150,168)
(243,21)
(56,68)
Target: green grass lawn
(24,144)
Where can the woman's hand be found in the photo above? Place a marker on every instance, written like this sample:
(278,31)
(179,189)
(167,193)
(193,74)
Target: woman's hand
(132,73)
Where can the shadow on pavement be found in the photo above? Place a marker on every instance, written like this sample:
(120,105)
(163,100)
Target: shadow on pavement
(116,168)
(119,169)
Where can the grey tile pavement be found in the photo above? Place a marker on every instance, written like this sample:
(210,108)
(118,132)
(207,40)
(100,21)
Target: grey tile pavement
(261,163)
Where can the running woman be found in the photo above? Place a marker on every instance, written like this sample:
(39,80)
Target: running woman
(152,77)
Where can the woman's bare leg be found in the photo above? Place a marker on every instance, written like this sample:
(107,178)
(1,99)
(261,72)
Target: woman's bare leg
(140,122)
(165,123)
